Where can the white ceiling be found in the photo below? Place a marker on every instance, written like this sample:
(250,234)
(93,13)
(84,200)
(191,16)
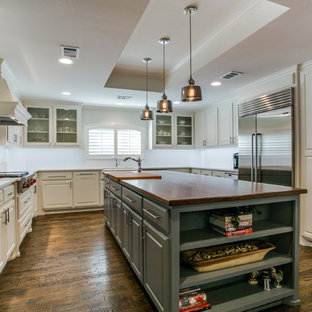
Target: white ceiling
(257,37)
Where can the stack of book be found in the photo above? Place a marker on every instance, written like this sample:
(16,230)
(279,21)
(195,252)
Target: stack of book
(224,224)
(193,299)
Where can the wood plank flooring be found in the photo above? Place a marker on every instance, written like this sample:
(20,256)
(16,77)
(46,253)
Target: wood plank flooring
(70,262)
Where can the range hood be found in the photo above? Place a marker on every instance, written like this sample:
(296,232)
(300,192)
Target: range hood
(12,112)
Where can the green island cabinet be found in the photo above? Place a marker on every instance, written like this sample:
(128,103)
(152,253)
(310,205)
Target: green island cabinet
(152,230)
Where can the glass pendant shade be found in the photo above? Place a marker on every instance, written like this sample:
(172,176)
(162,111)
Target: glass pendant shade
(191,93)
(164,105)
(147,114)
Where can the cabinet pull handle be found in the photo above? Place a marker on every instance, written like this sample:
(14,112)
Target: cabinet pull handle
(8,215)
(129,221)
(130,200)
(5,218)
(86,174)
(114,188)
(143,232)
(118,205)
(26,201)
(152,215)
(11,193)
(51,177)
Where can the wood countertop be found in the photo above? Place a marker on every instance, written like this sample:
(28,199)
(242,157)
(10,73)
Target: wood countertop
(176,188)
(131,175)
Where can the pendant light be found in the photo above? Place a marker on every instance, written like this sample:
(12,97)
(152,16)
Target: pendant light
(164,105)
(191,93)
(147,113)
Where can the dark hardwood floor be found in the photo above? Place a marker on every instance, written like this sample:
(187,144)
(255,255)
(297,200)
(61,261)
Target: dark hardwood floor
(70,262)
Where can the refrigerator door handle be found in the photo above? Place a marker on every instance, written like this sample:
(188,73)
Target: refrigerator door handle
(258,155)
(252,168)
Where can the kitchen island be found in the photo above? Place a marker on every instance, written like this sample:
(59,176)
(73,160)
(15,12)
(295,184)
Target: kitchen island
(154,220)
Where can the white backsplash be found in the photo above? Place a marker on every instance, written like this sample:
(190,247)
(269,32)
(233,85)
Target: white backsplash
(15,158)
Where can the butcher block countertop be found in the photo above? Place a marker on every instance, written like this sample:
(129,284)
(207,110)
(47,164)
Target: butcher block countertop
(176,188)
(131,175)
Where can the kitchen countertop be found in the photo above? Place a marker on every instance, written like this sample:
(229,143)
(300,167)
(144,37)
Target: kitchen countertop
(131,175)
(176,188)
(200,168)
(7,181)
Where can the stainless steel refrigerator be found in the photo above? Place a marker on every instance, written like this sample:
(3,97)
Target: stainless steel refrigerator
(266,139)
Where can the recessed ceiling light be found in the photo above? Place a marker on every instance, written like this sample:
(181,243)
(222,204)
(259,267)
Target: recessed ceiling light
(66,93)
(176,102)
(216,84)
(121,104)
(66,60)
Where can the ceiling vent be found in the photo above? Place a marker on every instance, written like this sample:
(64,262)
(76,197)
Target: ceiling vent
(124,97)
(231,75)
(70,52)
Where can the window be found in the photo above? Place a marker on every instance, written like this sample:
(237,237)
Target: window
(114,142)
(128,142)
(101,142)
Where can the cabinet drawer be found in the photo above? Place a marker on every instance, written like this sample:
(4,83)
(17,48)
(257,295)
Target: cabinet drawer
(196,171)
(106,181)
(24,226)
(58,175)
(206,172)
(8,193)
(156,214)
(220,174)
(115,188)
(23,203)
(132,199)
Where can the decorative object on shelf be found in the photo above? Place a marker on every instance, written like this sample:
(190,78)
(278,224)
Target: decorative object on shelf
(191,93)
(254,278)
(164,105)
(223,256)
(277,277)
(147,113)
(266,280)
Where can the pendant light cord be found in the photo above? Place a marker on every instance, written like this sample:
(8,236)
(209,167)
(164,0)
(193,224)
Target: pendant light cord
(146,83)
(190,14)
(164,68)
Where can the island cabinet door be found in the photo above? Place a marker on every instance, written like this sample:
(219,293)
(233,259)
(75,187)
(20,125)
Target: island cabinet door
(126,234)
(136,239)
(113,214)
(118,221)
(156,266)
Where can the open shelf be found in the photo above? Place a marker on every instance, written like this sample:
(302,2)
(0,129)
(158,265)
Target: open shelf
(38,119)
(36,132)
(242,297)
(190,277)
(198,238)
(73,120)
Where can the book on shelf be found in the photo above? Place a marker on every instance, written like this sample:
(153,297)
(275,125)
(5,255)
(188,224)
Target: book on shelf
(225,222)
(189,290)
(231,233)
(203,307)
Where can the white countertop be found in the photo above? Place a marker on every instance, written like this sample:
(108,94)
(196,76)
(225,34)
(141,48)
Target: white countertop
(7,181)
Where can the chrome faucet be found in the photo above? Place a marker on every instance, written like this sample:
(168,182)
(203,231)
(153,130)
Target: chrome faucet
(139,161)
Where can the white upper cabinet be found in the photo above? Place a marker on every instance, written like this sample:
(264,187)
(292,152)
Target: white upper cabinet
(225,124)
(216,126)
(173,130)
(53,126)
(211,127)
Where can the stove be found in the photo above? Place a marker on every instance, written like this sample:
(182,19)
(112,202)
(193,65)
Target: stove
(13,174)
(25,181)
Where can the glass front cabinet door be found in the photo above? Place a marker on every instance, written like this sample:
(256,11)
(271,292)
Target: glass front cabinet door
(163,131)
(66,126)
(38,130)
(184,131)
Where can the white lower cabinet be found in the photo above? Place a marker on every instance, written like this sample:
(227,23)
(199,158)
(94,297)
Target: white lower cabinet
(62,190)
(9,228)
(86,189)
(2,239)
(57,194)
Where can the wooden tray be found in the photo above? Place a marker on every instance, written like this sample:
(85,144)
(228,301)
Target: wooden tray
(227,261)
